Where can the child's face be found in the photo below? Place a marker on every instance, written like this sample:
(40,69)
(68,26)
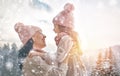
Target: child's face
(56,29)
(39,39)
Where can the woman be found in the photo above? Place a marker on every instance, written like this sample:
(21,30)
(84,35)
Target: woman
(68,46)
(33,41)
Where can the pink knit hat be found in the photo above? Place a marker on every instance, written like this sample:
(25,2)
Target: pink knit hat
(25,32)
(65,18)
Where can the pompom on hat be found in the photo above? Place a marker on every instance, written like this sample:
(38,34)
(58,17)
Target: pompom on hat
(25,32)
(65,18)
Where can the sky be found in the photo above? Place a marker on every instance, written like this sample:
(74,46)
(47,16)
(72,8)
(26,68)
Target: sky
(96,21)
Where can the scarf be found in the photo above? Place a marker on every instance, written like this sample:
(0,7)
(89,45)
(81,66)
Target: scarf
(59,36)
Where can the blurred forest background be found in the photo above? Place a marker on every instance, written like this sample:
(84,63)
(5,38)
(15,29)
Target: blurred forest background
(104,62)
(96,21)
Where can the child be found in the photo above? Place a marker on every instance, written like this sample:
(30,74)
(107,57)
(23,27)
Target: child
(68,46)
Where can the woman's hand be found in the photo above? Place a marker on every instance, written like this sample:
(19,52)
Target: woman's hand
(34,53)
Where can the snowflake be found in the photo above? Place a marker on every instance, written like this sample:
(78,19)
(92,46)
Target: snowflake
(53,63)
(1,57)
(9,65)
(62,20)
(1,60)
(77,66)
(33,70)
(56,18)
(30,62)
(41,71)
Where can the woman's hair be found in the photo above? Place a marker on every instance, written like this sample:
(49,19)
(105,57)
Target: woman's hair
(72,34)
(24,51)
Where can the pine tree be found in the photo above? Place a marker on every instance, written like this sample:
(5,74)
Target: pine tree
(96,71)
(10,61)
(105,66)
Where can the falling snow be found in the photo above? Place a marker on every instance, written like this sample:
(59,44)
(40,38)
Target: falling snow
(19,10)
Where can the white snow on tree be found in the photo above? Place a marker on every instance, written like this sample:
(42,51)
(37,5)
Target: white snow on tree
(105,65)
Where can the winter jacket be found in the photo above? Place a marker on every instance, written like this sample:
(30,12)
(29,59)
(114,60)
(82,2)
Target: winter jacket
(67,50)
(35,66)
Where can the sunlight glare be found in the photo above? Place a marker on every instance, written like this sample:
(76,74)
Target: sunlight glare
(83,40)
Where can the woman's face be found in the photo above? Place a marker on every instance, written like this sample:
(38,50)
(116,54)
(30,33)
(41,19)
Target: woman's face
(39,39)
(56,29)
